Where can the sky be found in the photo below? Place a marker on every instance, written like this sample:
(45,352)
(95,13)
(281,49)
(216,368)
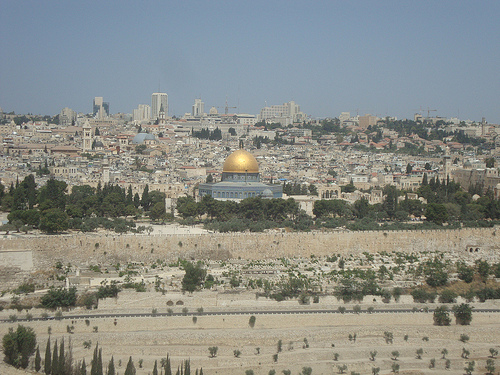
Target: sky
(380,57)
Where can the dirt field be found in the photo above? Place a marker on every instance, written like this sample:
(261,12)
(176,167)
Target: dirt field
(152,338)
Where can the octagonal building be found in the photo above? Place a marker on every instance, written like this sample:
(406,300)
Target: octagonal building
(240,180)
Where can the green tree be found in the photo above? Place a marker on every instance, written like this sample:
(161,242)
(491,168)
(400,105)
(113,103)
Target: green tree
(157,211)
(130,370)
(59,297)
(38,360)
(213,351)
(155,369)
(490,366)
(463,313)
(47,366)
(251,321)
(490,162)
(53,195)
(483,268)
(53,220)
(419,353)
(444,352)
(55,360)
(465,273)
(193,277)
(493,352)
(469,369)
(441,316)
(111,367)
(19,346)
(447,296)
(187,207)
(436,213)
(390,204)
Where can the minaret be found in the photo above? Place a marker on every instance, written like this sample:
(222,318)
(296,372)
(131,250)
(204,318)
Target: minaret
(446,163)
(105,172)
(87,137)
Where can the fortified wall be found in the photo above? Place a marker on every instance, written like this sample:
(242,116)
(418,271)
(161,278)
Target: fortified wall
(42,252)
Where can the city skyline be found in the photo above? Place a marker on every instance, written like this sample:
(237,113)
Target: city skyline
(384,58)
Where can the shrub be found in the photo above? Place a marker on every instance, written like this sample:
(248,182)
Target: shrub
(464,338)
(447,296)
(419,353)
(490,366)
(422,296)
(493,352)
(388,337)
(251,321)
(59,297)
(213,351)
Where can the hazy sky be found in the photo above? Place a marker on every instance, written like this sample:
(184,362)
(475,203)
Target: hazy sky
(379,57)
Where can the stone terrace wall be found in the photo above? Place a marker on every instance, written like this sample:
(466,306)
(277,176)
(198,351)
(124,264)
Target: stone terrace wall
(112,248)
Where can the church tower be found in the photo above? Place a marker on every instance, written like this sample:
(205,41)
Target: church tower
(161,116)
(87,137)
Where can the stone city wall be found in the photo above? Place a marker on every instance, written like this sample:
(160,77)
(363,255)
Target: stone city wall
(91,249)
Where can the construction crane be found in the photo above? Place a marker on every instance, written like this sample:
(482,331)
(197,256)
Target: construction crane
(429,111)
(226,108)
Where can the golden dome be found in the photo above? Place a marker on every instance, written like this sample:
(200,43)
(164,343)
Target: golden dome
(241,161)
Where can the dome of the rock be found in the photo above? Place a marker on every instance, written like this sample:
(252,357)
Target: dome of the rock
(241,161)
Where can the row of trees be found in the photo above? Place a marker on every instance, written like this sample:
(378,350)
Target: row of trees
(51,209)
(462,312)
(446,202)
(254,209)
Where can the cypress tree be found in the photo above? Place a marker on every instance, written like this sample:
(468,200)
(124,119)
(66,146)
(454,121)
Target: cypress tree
(48,359)
(111,367)
(93,368)
(130,370)
(83,370)
(55,361)
(99,363)
(187,367)
(168,367)
(62,359)
(201,370)
(155,369)
(38,360)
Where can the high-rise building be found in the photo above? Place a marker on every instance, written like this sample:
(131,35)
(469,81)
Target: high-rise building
(286,114)
(67,117)
(142,113)
(198,108)
(157,100)
(100,108)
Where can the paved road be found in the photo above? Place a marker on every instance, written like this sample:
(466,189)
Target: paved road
(248,312)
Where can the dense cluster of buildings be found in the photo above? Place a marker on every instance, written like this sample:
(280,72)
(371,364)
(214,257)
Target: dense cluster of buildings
(153,148)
